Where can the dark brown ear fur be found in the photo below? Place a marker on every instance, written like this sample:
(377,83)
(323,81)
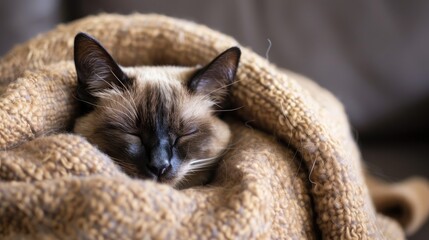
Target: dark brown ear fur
(215,78)
(95,67)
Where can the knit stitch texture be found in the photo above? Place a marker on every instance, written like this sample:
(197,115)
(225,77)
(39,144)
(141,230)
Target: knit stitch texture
(293,170)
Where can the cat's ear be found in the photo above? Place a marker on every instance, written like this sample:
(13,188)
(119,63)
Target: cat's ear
(214,79)
(95,67)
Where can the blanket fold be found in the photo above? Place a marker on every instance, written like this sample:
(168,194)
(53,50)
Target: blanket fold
(302,178)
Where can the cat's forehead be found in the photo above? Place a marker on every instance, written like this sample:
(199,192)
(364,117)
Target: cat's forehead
(160,75)
(162,91)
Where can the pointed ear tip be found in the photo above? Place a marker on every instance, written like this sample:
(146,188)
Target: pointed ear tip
(82,36)
(234,55)
(236,50)
(81,40)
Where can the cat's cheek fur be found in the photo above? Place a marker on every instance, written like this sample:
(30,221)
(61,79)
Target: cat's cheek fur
(219,141)
(85,125)
(185,179)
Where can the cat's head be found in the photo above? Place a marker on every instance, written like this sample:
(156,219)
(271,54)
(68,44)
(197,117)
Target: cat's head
(156,122)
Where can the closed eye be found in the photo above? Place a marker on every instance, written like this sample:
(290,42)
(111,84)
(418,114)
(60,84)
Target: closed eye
(124,129)
(133,138)
(187,134)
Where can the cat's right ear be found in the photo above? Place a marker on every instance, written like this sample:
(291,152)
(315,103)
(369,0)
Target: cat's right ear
(96,70)
(214,80)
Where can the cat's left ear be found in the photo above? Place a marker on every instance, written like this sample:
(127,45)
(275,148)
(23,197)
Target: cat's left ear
(96,69)
(216,77)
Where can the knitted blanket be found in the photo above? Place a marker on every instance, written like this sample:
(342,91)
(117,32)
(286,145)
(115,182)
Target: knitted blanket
(293,170)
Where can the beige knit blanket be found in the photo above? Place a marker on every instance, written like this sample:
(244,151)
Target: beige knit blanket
(301,179)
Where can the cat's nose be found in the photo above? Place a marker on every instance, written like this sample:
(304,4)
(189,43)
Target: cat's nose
(158,168)
(159,158)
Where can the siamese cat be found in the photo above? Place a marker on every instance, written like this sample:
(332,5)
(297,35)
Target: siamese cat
(155,122)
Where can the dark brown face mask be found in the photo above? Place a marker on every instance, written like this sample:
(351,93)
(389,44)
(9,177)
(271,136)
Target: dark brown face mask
(140,124)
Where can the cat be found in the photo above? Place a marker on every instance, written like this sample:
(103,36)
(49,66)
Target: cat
(155,122)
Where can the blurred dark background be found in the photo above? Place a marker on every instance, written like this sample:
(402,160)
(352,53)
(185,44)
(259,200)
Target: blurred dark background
(373,55)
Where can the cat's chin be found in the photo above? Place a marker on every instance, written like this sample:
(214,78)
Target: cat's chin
(167,179)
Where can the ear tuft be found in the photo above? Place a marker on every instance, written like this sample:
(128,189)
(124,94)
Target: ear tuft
(215,78)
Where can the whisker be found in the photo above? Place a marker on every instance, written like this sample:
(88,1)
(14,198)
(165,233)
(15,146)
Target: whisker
(203,164)
(125,164)
(132,112)
(129,168)
(184,181)
(125,88)
(227,110)
(119,161)
(117,111)
(101,95)
(207,96)
(196,169)
(202,160)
